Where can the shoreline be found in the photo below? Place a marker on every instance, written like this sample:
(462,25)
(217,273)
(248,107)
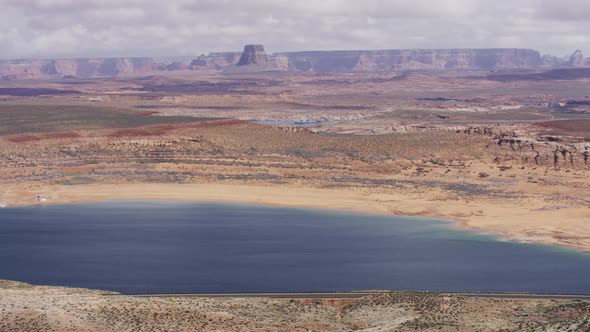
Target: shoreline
(7,283)
(509,223)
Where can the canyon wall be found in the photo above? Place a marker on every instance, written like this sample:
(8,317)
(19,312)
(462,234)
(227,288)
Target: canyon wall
(255,59)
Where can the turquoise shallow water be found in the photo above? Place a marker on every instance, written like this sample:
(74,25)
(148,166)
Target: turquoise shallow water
(143,247)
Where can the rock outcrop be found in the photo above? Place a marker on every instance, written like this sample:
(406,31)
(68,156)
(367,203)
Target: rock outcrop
(254,59)
(253,54)
(576,59)
(216,61)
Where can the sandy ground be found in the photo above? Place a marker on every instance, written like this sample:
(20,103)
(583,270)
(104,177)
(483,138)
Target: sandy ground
(511,221)
(40,308)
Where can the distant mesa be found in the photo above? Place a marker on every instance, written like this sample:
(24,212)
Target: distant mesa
(253,54)
(79,68)
(254,59)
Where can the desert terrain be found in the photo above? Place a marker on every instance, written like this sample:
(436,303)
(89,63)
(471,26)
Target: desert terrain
(499,147)
(38,308)
(502,152)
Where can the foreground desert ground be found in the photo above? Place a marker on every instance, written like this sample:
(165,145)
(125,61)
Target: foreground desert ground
(35,308)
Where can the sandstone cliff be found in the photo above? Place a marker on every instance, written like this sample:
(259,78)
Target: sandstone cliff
(255,59)
(82,68)
(387,60)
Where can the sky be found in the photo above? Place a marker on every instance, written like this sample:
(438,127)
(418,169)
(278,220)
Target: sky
(100,28)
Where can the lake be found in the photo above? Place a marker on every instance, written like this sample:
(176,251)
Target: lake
(168,247)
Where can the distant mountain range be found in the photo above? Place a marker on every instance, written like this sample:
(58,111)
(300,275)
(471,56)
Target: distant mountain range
(255,59)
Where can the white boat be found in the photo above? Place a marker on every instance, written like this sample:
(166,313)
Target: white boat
(40,199)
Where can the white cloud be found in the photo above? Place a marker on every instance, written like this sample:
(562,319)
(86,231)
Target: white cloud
(52,28)
(562,10)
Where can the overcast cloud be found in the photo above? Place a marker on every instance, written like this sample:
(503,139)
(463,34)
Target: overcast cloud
(72,28)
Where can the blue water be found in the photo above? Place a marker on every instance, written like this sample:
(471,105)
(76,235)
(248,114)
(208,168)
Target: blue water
(147,247)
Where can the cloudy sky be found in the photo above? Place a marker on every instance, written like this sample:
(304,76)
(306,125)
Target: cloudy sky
(71,28)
